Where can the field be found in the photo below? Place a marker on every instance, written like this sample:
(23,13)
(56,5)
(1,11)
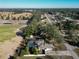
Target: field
(7,31)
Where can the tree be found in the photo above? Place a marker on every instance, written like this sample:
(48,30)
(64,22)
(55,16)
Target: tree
(69,25)
(32,28)
(54,33)
(72,35)
(28,30)
(50,32)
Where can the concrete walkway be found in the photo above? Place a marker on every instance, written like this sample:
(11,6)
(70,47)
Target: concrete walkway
(39,55)
(59,53)
(53,53)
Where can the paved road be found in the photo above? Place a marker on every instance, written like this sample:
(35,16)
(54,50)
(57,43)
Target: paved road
(48,19)
(70,48)
(12,21)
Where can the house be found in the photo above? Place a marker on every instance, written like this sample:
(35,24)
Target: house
(40,44)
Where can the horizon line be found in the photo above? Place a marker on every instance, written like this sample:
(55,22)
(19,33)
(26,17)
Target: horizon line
(40,8)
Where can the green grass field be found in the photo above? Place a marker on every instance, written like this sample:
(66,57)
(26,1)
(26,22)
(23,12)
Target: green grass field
(7,31)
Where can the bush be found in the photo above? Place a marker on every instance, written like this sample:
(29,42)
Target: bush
(26,51)
(35,50)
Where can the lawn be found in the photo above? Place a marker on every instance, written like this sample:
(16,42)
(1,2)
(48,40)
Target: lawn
(7,31)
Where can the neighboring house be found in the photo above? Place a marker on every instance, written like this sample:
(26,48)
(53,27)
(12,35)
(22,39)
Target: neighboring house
(41,44)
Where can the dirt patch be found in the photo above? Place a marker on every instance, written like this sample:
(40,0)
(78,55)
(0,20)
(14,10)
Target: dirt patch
(8,47)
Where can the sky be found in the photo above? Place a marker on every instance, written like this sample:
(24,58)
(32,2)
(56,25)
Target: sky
(39,3)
